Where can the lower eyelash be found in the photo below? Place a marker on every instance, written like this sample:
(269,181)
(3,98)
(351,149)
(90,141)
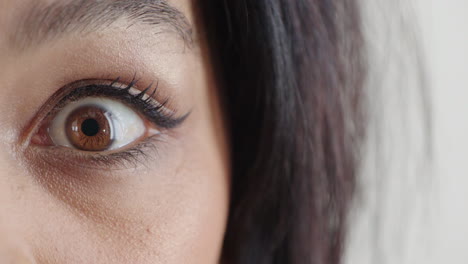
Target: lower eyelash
(129,158)
(140,154)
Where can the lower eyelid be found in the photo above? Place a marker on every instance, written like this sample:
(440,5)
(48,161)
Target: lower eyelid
(142,153)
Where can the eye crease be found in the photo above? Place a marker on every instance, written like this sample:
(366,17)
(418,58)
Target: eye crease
(100,117)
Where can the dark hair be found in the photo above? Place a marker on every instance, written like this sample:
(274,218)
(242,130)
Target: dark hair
(291,75)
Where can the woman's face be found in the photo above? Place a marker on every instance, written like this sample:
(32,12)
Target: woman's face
(92,172)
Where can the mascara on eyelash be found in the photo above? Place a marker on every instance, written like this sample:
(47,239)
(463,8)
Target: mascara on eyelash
(143,101)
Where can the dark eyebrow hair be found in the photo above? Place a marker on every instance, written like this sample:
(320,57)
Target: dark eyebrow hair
(45,22)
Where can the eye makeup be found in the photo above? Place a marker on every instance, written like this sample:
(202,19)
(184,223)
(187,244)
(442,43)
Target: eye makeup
(143,102)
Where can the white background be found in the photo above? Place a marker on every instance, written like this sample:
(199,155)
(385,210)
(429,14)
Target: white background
(445,27)
(420,215)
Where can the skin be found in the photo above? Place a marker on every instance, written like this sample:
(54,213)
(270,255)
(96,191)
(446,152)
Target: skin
(169,207)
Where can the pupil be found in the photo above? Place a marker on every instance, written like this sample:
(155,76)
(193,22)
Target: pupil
(90,127)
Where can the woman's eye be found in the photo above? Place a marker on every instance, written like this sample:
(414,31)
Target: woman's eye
(104,117)
(96,124)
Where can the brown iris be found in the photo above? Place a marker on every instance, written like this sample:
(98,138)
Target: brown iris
(88,129)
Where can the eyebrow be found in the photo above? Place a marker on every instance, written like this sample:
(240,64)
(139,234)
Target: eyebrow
(46,22)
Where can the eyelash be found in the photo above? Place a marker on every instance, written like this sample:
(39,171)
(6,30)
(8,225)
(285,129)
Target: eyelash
(142,102)
(156,113)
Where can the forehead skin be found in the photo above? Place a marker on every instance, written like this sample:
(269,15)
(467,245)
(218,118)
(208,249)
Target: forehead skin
(169,208)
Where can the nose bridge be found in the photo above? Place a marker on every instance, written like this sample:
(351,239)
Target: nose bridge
(14,181)
(13,246)
(11,250)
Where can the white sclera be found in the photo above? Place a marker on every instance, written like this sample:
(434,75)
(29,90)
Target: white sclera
(126,125)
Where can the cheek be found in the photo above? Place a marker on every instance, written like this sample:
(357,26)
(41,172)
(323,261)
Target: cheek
(206,169)
(173,212)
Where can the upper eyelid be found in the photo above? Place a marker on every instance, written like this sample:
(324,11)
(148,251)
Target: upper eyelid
(131,88)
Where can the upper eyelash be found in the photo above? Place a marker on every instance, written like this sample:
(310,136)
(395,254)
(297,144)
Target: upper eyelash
(157,113)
